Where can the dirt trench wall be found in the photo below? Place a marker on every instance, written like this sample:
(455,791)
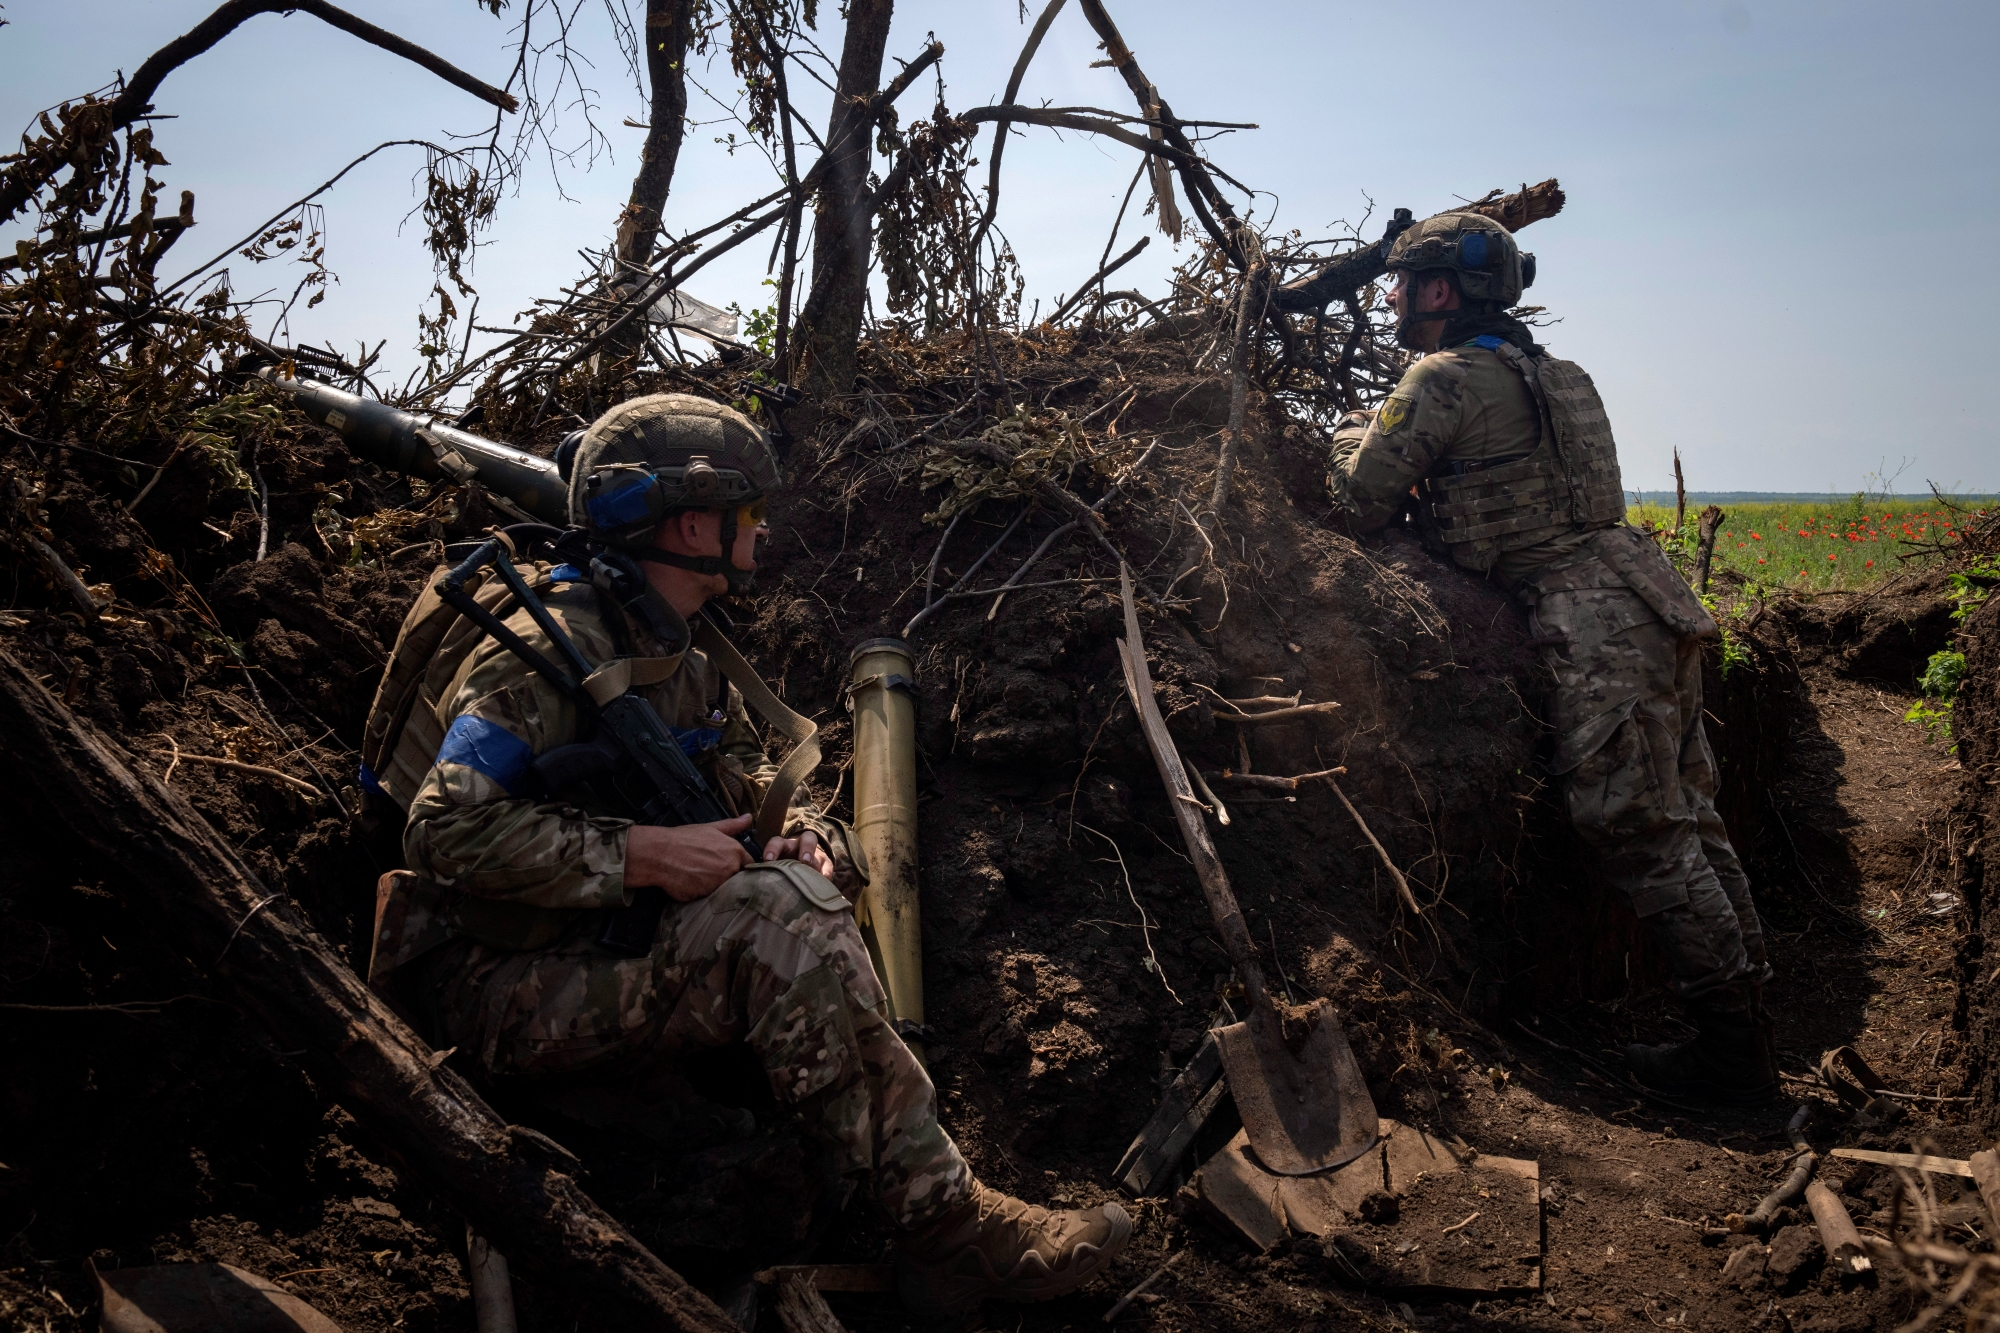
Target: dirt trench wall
(1044,826)
(1976,726)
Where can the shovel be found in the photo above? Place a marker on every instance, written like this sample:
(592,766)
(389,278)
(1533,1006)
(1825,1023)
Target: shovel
(1304,1104)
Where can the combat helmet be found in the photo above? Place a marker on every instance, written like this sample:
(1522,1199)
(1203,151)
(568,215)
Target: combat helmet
(1491,270)
(663,454)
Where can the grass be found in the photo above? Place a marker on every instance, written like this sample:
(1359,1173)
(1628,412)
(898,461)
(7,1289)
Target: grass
(1816,545)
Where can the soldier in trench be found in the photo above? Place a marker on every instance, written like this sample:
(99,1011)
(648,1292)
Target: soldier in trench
(1501,456)
(496,940)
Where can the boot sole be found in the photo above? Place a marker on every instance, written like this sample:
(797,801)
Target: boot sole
(939,1294)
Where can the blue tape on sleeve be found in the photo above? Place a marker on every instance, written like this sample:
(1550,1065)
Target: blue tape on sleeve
(565,574)
(696,739)
(1488,341)
(489,748)
(369,782)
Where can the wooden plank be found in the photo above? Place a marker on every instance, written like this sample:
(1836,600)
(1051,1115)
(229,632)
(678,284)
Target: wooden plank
(1943,1166)
(1242,1195)
(1183,1110)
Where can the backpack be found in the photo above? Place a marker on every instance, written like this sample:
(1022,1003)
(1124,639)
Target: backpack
(401,739)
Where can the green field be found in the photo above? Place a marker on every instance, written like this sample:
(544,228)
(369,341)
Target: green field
(1819,544)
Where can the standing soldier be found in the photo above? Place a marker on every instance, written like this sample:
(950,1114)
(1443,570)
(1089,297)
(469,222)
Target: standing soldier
(1503,457)
(513,937)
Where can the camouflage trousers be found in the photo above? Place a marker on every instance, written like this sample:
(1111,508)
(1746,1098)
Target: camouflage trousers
(773,958)
(1640,784)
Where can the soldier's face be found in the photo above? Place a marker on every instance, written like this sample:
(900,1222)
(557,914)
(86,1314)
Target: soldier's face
(700,533)
(1437,294)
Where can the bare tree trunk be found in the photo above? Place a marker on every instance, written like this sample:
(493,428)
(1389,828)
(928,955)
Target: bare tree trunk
(669,33)
(1711,522)
(830,321)
(1680,496)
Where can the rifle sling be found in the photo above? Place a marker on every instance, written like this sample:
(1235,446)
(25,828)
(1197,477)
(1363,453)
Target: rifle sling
(801,731)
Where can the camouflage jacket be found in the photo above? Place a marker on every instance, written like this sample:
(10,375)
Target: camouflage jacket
(512,868)
(1453,407)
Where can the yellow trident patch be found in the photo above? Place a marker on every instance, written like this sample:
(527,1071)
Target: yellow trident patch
(1393,414)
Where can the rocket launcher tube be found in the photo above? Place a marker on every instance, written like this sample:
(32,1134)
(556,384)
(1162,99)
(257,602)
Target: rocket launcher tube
(880,695)
(423,446)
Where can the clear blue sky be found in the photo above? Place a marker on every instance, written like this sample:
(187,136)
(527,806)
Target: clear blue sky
(1778,252)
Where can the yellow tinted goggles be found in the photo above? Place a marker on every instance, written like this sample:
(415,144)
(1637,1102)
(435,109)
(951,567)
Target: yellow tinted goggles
(751,515)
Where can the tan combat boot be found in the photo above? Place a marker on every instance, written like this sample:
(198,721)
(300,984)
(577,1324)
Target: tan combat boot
(994,1246)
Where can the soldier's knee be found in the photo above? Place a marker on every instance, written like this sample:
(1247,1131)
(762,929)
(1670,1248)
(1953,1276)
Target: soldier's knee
(785,891)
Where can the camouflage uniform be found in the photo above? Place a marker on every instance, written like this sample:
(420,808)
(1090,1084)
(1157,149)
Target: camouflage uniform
(491,943)
(1621,633)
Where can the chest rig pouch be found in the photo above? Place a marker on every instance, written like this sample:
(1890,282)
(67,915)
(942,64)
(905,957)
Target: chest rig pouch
(1568,483)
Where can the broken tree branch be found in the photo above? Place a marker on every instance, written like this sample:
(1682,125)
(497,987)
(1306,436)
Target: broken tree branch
(1061,497)
(1098,277)
(1276,714)
(1065,119)
(1028,49)
(237,765)
(1249,316)
(1270,781)
(1711,523)
(514,1191)
(164,231)
(1203,196)
(1354,270)
(1014,580)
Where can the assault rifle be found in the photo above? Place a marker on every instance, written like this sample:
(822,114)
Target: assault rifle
(628,749)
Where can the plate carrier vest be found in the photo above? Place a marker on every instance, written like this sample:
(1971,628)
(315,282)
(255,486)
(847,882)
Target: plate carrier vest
(1570,483)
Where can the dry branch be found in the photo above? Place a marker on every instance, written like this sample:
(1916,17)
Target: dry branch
(1249,316)
(1356,269)
(1064,118)
(94,123)
(1021,62)
(1203,196)
(1098,277)
(512,1189)
(1402,885)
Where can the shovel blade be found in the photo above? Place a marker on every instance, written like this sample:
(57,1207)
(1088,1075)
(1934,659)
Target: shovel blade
(1304,1104)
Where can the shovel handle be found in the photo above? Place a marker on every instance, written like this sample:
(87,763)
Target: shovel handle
(1187,809)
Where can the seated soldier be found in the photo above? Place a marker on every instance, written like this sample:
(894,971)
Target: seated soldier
(498,942)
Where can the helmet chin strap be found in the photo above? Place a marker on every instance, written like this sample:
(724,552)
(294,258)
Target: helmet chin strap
(1406,328)
(721,563)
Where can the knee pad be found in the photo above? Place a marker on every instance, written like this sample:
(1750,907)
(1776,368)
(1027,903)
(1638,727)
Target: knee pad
(780,890)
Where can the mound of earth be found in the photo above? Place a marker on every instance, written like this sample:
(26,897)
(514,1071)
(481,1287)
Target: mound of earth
(1070,963)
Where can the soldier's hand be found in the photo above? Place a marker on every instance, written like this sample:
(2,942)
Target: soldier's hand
(804,848)
(690,861)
